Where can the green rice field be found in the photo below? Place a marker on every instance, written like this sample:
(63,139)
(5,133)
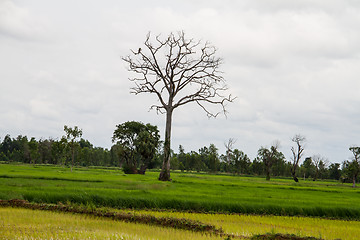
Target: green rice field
(241,206)
(192,192)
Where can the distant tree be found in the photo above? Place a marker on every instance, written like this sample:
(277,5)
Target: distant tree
(34,150)
(229,145)
(257,166)
(350,172)
(84,157)
(174,163)
(334,171)
(209,158)
(85,143)
(72,134)
(269,157)
(17,149)
(117,154)
(280,167)
(7,146)
(353,168)
(181,167)
(297,153)
(214,162)
(240,162)
(137,145)
(181,156)
(190,160)
(44,150)
(58,151)
(178,71)
(323,169)
(320,164)
(3,157)
(197,162)
(50,151)
(307,168)
(21,146)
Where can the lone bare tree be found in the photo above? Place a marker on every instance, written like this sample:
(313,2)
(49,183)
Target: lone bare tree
(297,153)
(178,71)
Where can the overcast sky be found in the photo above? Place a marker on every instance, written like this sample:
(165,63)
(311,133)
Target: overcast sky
(293,65)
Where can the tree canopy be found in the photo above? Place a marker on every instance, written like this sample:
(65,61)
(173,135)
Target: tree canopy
(137,144)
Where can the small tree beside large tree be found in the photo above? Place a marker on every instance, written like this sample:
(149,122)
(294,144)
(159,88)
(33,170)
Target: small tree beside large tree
(137,144)
(178,71)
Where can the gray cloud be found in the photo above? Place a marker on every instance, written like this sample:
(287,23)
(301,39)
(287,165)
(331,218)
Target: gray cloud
(292,65)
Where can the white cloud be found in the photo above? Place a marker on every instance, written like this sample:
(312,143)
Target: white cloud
(43,109)
(292,65)
(18,22)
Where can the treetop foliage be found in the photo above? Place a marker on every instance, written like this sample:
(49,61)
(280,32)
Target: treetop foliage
(137,144)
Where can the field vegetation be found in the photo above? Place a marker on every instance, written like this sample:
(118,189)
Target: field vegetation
(250,225)
(35,224)
(187,192)
(237,205)
(54,223)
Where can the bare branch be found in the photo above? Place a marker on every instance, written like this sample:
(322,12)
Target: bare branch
(179,66)
(178,71)
(230,144)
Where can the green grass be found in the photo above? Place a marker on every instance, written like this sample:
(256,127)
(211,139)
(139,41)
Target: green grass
(89,222)
(191,192)
(250,225)
(17,223)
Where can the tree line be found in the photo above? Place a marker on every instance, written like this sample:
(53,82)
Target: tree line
(137,147)
(207,159)
(54,151)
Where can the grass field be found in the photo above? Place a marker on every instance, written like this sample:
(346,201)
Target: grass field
(19,223)
(249,225)
(32,224)
(193,192)
(202,196)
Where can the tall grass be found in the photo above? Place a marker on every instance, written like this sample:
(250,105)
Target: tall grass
(189,192)
(249,225)
(32,224)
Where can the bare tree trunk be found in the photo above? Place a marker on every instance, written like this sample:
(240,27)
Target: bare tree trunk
(295,178)
(293,173)
(165,170)
(297,154)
